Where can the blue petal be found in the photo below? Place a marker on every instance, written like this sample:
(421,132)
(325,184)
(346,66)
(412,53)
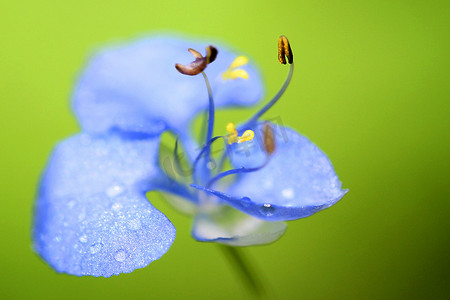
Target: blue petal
(229,226)
(297,182)
(92,216)
(135,87)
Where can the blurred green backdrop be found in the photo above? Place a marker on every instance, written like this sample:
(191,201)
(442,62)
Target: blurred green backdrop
(371,89)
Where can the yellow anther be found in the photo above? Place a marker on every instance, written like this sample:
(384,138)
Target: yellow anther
(238,73)
(233,137)
(232,133)
(239,62)
(231,129)
(248,135)
(232,72)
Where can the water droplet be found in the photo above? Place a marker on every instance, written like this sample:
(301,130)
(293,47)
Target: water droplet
(114,191)
(116,206)
(120,256)
(245,201)
(211,165)
(95,248)
(288,193)
(83,238)
(58,239)
(267,209)
(134,224)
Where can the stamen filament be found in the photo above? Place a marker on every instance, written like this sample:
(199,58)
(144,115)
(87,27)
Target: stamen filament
(211,111)
(177,157)
(213,192)
(274,99)
(235,171)
(207,146)
(176,188)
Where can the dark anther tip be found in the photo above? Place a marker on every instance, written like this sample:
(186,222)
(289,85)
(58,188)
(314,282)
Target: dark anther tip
(284,50)
(200,62)
(211,53)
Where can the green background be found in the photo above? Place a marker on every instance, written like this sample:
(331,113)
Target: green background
(371,89)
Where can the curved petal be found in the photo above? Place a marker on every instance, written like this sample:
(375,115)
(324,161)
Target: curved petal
(135,87)
(91,216)
(229,226)
(297,182)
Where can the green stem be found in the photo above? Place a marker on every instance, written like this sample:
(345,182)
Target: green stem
(246,270)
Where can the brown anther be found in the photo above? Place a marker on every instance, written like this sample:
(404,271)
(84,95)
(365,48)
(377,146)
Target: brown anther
(211,54)
(269,139)
(200,62)
(284,50)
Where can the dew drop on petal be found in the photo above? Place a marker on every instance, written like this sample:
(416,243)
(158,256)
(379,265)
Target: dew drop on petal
(95,248)
(83,238)
(114,191)
(134,224)
(120,256)
(211,165)
(288,193)
(267,209)
(116,206)
(245,201)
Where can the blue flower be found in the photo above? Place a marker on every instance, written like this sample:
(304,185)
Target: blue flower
(92,216)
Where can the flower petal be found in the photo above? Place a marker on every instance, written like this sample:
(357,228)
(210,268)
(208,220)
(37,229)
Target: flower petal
(91,216)
(297,182)
(135,87)
(229,226)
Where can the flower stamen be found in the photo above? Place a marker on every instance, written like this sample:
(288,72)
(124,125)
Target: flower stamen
(205,148)
(194,68)
(233,172)
(199,64)
(233,137)
(284,50)
(233,72)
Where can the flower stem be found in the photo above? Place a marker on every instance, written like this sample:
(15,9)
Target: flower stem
(246,270)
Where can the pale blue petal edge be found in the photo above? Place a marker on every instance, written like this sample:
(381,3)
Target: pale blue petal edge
(92,216)
(238,230)
(134,87)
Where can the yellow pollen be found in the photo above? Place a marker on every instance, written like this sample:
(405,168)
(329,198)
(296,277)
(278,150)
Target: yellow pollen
(248,135)
(232,133)
(233,137)
(231,129)
(239,62)
(232,72)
